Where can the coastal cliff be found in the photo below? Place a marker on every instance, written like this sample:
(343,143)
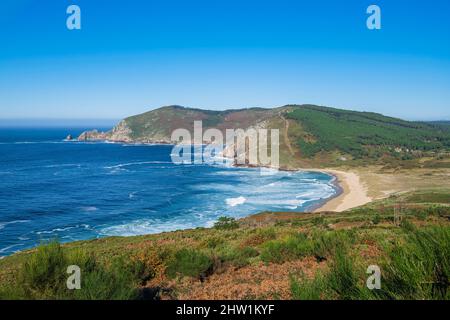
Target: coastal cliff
(121,132)
(310,135)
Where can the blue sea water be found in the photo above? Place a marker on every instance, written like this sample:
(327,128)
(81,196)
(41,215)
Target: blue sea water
(52,189)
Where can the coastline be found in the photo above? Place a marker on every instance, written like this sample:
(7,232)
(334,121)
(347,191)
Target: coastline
(353,191)
(354,186)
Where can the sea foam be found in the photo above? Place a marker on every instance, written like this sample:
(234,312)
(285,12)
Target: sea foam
(232,202)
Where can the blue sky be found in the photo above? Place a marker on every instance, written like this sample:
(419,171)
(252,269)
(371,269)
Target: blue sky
(132,56)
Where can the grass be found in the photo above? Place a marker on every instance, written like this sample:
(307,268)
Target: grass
(430,197)
(283,255)
(189,263)
(44,276)
(419,268)
(308,289)
(292,247)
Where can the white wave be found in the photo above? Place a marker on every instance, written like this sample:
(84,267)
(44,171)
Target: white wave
(4,224)
(84,226)
(55,230)
(233,172)
(277,202)
(142,144)
(9,247)
(270,171)
(132,195)
(147,226)
(121,165)
(63,165)
(89,209)
(232,202)
(37,142)
(116,170)
(219,187)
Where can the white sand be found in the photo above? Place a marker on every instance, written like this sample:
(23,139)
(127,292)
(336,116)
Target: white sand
(354,193)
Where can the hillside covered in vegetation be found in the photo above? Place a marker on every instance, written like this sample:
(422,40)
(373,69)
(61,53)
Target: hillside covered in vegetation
(309,135)
(365,134)
(272,255)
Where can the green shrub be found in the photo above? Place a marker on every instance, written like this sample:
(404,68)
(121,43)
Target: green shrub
(293,247)
(239,257)
(213,242)
(420,267)
(260,236)
(342,277)
(376,219)
(226,223)
(308,289)
(44,276)
(318,221)
(44,273)
(117,282)
(190,263)
(326,243)
(422,215)
(407,225)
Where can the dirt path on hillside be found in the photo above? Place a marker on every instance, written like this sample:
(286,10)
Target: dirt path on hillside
(286,137)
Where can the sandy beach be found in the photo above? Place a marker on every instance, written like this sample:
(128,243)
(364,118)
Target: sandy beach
(353,194)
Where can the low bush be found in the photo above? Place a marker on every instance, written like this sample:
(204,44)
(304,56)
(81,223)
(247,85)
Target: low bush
(44,276)
(189,262)
(290,248)
(376,219)
(308,289)
(239,257)
(226,223)
(419,268)
(326,243)
(342,277)
(260,236)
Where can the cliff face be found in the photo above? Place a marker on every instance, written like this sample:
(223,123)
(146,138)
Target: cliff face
(121,132)
(309,135)
(93,135)
(157,126)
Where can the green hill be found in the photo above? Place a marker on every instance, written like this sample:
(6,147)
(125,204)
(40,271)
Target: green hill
(364,134)
(309,134)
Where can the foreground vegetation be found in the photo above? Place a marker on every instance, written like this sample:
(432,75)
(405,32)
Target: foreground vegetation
(268,256)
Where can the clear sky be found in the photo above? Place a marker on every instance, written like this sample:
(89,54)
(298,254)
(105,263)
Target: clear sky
(132,56)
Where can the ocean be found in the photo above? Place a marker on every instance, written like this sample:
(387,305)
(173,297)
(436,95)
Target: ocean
(53,189)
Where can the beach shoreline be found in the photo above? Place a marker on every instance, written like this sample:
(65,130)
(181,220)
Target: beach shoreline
(350,190)
(353,193)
